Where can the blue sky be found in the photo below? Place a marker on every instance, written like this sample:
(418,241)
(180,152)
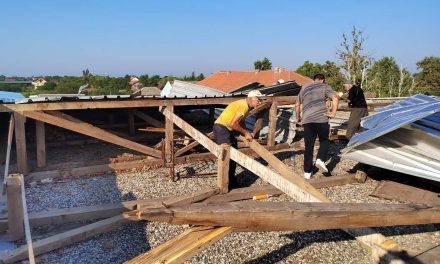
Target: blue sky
(177,37)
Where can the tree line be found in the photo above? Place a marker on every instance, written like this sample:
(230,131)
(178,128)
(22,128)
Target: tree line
(97,84)
(383,77)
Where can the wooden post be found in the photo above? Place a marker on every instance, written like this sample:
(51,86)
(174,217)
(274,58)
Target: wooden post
(211,117)
(272,124)
(169,143)
(41,144)
(131,127)
(20,143)
(8,151)
(15,207)
(258,124)
(27,228)
(223,169)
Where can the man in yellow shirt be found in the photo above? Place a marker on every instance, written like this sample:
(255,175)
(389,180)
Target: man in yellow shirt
(231,120)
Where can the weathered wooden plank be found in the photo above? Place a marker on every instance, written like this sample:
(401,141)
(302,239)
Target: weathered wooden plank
(272,124)
(8,152)
(27,228)
(41,143)
(223,169)
(20,143)
(183,247)
(60,240)
(70,123)
(190,146)
(405,193)
(15,207)
(287,216)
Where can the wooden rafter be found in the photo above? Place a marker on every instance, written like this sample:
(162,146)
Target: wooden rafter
(68,122)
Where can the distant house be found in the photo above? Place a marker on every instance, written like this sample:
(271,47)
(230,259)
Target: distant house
(38,82)
(181,89)
(228,81)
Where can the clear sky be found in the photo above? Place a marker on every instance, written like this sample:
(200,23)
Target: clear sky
(180,36)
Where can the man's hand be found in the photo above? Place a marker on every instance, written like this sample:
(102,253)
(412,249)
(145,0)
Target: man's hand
(298,120)
(248,136)
(331,114)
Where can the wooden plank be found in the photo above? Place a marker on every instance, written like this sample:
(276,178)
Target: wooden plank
(223,169)
(27,228)
(190,146)
(15,207)
(273,111)
(70,123)
(405,193)
(20,143)
(41,144)
(183,247)
(258,125)
(8,151)
(147,118)
(288,216)
(169,135)
(67,238)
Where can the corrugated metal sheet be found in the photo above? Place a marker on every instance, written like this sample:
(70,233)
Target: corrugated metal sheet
(10,97)
(403,137)
(186,89)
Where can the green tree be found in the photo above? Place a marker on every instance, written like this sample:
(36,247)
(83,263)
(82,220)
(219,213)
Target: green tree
(331,71)
(200,77)
(309,69)
(87,76)
(428,79)
(2,77)
(384,77)
(354,61)
(263,65)
(49,86)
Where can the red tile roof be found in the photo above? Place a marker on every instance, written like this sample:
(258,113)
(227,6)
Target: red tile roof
(227,81)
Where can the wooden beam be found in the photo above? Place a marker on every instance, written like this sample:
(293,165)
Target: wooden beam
(147,118)
(183,246)
(273,111)
(67,238)
(258,125)
(288,216)
(8,152)
(65,121)
(190,146)
(41,144)
(27,228)
(223,169)
(20,143)
(368,237)
(169,135)
(15,207)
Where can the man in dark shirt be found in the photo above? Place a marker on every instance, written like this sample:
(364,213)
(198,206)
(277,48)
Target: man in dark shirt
(356,101)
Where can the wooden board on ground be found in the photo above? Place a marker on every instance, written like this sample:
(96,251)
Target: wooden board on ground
(288,216)
(183,246)
(405,193)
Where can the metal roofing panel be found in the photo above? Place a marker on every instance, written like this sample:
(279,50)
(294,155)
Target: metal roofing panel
(395,116)
(10,97)
(182,89)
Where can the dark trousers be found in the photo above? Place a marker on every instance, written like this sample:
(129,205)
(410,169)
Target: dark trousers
(311,131)
(222,135)
(354,122)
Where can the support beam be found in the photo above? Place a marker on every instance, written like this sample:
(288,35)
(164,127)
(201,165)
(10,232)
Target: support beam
(288,216)
(273,111)
(8,152)
(65,121)
(169,135)
(183,246)
(41,144)
(20,143)
(223,169)
(27,228)
(64,239)
(258,125)
(15,207)
(190,146)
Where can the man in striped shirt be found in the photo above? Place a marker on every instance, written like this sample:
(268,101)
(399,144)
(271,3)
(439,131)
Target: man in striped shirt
(312,101)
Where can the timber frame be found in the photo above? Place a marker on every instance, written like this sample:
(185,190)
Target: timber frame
(196,208)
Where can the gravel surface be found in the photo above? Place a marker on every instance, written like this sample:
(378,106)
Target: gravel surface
(331,246)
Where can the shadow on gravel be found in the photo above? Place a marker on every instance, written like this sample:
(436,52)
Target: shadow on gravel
(301,240)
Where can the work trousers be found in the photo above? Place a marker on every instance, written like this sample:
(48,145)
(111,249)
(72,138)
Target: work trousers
(354,122)
(222,135)
(311,131)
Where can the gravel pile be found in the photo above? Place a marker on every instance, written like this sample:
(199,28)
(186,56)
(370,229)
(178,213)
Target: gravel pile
(332,246)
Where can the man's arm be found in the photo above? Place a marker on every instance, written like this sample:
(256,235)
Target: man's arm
(298,111)
(335,103)
(236,126)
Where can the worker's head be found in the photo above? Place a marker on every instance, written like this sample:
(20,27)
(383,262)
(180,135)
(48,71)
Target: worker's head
(319,78)
(254,98)
(348,84)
